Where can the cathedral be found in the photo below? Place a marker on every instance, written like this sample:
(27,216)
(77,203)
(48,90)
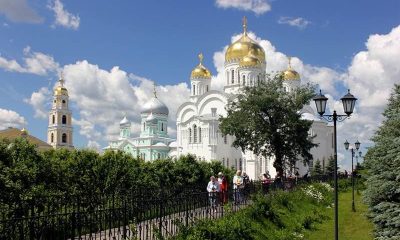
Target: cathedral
(197,119)
(153,142)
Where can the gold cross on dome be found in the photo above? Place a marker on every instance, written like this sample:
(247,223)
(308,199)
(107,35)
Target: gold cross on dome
(290,61)
(201,57)
(244,24)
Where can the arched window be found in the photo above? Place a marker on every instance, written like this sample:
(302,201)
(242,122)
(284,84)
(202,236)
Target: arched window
(64,138)
(64,119)
(207,88)
(199,134)
(52,137)
(194,133)
(194,89)
(190,135)
(244,79)
(144,126)
(158,155)
(233,76)
(162,127)
(63,102)
(54,119)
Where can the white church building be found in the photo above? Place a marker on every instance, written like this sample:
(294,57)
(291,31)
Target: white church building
(197,119)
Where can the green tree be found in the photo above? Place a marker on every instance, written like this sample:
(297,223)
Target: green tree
(383,164)
(330,167)
(267,121)
(317,169)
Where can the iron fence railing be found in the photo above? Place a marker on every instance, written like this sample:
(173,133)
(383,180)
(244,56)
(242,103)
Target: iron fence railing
(138,214)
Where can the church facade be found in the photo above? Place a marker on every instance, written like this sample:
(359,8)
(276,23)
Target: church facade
(197,119)
(153,142)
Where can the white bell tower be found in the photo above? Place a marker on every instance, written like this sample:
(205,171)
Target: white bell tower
(59,132)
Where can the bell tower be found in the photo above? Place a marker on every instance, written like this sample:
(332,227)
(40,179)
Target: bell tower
(59,132)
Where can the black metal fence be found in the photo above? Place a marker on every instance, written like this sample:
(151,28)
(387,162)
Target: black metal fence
(139,214)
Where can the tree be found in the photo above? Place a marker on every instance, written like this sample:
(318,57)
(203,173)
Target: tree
(317,169)
(330,168)
(267,121)
(383,164)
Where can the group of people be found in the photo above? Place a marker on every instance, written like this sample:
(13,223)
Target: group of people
(218,188)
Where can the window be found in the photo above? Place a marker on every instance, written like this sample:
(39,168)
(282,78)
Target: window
(63,102)
(194,89)
(144,126)
(54,101)
(223,161)
(190,135)
(54,119)
(233,76)
(52,137)
(199,135)
(251,82)
(158,156)
(194,134)
(240,164)
(206,88)
(244,79)
(225,139)
(64,119)
(258,80)
(162,127)
(64,138)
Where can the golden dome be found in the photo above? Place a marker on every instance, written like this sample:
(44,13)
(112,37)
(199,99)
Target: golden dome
(200,71)
(289,73)
(249,61)
(242,47)
(60,89)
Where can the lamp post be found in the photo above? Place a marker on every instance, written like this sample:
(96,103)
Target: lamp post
(348,101)
(353,153)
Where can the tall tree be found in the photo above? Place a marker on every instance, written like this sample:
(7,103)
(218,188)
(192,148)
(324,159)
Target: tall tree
(317,169)
(267,121)
(330,168)
(383,164)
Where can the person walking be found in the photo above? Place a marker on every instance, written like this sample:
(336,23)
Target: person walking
(265,182)
(238,187)
(213,189)
(223,185)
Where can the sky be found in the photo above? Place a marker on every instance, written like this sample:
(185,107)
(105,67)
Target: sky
(111,53)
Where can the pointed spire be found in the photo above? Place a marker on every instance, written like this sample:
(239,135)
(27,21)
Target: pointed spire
(154,90)
(201,58)
(244,25)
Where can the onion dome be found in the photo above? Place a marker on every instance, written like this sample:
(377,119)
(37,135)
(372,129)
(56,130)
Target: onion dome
(289,73)
(124,121)
(200,71)
(242,47)
(60,89)
(155,106)
(151,118)
(249,61)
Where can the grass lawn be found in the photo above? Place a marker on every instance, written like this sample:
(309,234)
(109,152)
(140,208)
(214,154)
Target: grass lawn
(352,225)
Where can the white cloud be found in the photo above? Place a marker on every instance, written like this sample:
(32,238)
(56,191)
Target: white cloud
(102,97)
(39,101)
(298,22)
(256,6)
(19,11)
(9,118)
(34,62)
(63,17)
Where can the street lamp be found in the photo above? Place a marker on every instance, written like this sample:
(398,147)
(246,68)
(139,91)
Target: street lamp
(353,153)
(348,101)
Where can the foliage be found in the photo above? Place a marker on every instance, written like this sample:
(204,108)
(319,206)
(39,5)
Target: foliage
(330,167)
(26,174)
(267,121)
(317,169)
(383,164)
(280,215)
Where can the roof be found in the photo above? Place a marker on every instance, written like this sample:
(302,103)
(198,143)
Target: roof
(13,133)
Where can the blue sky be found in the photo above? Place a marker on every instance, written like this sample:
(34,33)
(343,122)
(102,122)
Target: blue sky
(159,41)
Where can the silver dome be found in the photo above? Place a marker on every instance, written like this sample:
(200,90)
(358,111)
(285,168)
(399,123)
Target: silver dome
(155,106)
(124,121)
